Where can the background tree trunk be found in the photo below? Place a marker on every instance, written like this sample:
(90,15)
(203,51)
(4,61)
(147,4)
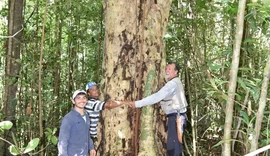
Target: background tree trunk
(40,74)
(134,58)
(226,150)
(12,71)
(262,104)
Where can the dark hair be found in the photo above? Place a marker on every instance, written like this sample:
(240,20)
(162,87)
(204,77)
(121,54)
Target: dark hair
(177,67)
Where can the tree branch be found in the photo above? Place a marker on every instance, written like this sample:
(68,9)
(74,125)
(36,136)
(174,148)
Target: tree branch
(12,35)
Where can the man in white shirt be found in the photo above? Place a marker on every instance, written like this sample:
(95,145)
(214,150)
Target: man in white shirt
(173,103)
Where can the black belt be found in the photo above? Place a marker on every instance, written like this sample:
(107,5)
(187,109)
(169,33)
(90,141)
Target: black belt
(174,114)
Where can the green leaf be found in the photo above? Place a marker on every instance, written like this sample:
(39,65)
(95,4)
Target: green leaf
(216,67)
(213,83)
(266,2)
(54,130)
(54,140)
(223,141)
(13,150)
(31,145)
(5,125)
(250,40)
(255,4)
(242,83)
(245,69)
(255,92)
(49,130)
(245,117)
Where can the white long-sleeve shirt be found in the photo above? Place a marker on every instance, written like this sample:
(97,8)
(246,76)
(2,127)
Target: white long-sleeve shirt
(169,89)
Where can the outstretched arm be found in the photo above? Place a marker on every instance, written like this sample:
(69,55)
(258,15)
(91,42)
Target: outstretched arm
(112,104)
(132,104)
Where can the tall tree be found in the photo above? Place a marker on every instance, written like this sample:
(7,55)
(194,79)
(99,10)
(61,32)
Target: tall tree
(57,54)
(134,61)
(226,150)
(40,104)
(12,68)
(262,104)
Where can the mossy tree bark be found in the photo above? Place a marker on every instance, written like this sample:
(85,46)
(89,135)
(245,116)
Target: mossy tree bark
(133,65)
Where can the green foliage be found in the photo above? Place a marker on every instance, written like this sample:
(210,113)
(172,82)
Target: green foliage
(15,149)
(222,141)
(51,135)
(199,37)
(216,67)
(245,117)
(31,145)
(266,3)
(252,86)
(259,16)
(5,125)
(73,49)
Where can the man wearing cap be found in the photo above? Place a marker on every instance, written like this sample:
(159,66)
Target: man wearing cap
(173,103)
(94,106)
(74,127)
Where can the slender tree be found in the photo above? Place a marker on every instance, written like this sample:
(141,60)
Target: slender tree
(40,104)
(262,104)
(226,150)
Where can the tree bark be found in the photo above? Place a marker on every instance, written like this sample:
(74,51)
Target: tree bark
(57,70)
(226,150)
(40,105)
(12,69)
(134,60)
(262,104)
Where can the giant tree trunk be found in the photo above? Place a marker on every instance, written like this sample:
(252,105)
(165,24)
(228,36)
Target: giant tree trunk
(12,69)
(226,150)
(134,60)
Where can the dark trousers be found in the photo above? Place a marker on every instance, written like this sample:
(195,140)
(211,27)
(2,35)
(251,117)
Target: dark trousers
(174,147)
